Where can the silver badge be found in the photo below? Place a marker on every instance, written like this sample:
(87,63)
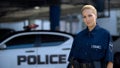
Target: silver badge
(96,46)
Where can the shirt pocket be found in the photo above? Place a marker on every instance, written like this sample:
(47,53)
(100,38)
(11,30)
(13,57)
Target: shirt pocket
(97,48)
(97,52)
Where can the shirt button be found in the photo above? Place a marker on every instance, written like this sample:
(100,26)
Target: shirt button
(85,53)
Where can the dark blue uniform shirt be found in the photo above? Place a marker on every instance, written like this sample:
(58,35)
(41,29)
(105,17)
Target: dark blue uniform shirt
(92,45)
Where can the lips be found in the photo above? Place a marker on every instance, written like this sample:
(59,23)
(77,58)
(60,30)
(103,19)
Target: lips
(88,23)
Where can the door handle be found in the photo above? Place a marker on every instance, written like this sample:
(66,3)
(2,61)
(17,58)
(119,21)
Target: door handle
(66,48)
(29,51)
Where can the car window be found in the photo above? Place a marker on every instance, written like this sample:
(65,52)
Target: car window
(52,40)
(39,40)
(25,41)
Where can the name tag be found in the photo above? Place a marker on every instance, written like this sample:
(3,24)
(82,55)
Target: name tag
(96,46)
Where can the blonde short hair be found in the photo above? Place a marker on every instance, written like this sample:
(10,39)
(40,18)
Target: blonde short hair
(89,7)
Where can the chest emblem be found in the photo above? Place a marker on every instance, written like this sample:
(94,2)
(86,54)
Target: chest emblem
(96,46)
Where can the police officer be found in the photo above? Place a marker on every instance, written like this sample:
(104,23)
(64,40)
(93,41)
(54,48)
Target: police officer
(92,45)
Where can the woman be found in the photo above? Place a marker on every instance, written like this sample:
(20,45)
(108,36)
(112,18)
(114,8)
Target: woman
(92,45)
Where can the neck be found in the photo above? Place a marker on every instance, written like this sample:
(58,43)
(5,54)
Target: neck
(91,27)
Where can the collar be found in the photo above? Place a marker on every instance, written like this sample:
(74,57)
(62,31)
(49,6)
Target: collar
(94,29)
(91,33)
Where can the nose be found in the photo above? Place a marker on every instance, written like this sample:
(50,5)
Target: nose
(87,19)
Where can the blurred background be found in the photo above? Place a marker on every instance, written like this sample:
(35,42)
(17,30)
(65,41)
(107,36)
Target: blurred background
(57,15)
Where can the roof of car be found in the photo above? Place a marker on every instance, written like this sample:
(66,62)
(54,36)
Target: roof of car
(18,32)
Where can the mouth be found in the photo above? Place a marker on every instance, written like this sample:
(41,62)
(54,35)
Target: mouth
(88,23)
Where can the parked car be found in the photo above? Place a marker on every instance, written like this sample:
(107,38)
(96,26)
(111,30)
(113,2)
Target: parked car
(35,49)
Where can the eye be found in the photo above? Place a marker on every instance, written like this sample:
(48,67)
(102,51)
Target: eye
(84,16)
(90,15)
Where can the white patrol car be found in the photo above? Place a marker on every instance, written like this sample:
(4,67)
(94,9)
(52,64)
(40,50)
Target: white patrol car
(35,49)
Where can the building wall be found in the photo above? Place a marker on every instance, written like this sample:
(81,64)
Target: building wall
(112,24)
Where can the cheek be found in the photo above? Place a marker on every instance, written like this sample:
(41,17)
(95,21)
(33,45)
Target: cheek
(92,19)
(84,20)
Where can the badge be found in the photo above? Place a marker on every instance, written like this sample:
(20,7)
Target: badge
(96,46)
(110,46)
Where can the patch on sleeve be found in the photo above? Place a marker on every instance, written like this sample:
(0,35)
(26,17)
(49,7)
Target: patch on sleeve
(111,46)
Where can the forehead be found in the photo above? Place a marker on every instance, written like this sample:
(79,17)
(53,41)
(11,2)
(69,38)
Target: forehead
(87,11)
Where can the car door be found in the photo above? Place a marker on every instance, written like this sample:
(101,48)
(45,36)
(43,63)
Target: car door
(19,53)
(54,50)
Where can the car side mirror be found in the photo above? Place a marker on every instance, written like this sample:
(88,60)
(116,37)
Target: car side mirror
(2,46)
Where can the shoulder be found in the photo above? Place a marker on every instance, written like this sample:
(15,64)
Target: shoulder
(103,31)
(81,33)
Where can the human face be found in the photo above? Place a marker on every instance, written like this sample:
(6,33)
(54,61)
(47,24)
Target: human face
(89,18)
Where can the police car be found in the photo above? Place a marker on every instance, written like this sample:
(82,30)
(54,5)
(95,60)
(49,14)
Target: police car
(35,49)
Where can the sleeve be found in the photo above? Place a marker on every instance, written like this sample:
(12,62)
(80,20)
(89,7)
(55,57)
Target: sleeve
(109,52)
(71,51)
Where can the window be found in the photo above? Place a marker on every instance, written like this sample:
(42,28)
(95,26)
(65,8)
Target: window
(25,41)
(52,40)
(35,40)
